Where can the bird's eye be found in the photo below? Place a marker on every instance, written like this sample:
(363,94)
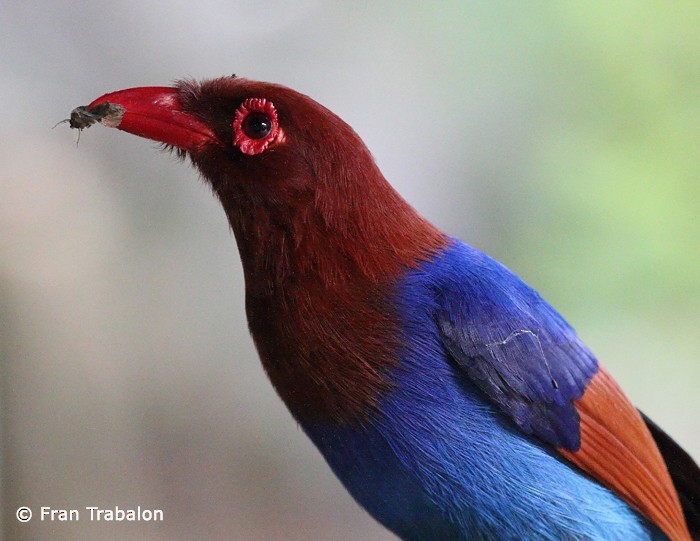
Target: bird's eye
(255,126)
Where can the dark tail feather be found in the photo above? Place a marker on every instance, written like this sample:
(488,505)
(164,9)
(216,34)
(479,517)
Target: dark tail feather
(685,474)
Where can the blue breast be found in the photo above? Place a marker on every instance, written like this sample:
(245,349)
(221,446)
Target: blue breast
(441,462)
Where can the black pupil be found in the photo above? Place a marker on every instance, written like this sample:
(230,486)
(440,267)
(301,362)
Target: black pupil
(257,125)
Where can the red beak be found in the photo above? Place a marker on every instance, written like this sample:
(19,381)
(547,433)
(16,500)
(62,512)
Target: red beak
(155,112)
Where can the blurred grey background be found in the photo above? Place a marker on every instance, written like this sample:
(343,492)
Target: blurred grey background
(562,138)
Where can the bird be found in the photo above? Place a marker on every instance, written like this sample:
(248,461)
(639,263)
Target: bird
(449,398)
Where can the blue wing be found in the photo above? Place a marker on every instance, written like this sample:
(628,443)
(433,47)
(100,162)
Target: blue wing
(517,349)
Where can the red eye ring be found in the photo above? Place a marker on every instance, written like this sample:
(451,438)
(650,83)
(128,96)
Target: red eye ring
(255,126)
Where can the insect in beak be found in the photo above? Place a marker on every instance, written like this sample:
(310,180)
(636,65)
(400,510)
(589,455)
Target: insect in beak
(109,114)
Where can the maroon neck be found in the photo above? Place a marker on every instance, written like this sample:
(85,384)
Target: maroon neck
(320,269)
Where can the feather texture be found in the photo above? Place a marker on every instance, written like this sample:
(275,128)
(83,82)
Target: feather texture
(618,450)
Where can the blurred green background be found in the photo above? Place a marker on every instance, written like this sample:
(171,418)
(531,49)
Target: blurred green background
(563,138)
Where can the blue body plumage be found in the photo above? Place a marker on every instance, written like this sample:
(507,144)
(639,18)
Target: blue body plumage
(441,461)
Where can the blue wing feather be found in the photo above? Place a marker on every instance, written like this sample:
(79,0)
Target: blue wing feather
(513,345)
